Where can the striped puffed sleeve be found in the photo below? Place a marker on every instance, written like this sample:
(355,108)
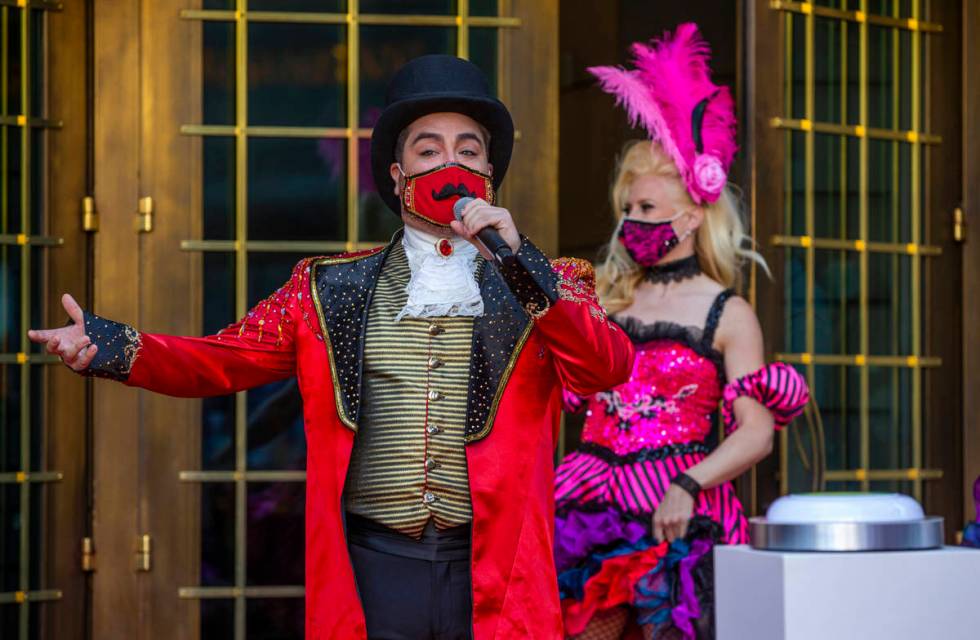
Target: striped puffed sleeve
(777,386)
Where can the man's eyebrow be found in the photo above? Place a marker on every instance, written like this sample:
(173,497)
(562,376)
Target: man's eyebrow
(423,135)
(470,136)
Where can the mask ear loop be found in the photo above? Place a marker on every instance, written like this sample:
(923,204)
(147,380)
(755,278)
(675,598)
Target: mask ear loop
(681,237)
(402,183)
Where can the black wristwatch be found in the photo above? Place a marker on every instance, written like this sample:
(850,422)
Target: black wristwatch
(687,483)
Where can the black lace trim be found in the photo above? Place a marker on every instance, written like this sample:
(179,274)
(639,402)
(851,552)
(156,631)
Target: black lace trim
(700,341)
(691,337)
(714,316)
(643,455)
(675,271)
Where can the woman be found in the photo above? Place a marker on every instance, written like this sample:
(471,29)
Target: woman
(642,501)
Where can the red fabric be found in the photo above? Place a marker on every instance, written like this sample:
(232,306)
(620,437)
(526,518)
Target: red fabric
(611,587)
(515,592)
(420,191)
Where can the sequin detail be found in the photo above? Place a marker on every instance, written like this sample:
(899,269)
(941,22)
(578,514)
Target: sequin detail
(498,338)
(267,322)
(576,284)
(118,347)
(671,394)
(531,279)
(343,286)
(533,286)
(656,406)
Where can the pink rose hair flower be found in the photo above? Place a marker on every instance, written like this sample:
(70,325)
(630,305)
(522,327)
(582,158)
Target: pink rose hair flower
(670,94)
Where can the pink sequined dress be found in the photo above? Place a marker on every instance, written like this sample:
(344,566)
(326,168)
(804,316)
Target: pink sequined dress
(638,436)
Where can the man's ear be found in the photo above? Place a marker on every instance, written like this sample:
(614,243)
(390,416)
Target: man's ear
(396,177)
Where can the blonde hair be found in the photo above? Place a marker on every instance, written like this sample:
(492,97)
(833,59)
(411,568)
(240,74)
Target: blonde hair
(721,243)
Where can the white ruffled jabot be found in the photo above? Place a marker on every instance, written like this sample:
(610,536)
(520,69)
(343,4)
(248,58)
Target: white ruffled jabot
(440,286)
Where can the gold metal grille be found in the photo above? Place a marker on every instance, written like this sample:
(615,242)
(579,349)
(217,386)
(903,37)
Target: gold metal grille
(19,235)
(896,36)
(242,245)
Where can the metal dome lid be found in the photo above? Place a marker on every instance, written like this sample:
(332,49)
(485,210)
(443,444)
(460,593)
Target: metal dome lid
(846,522)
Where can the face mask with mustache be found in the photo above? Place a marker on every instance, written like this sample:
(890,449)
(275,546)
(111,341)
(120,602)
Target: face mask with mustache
(430,195)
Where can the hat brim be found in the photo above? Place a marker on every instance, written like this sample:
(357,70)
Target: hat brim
(489,112)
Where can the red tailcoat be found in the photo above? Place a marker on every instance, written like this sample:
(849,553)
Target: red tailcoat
(525,348)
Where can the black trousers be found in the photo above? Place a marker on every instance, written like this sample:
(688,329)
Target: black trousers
(412,589)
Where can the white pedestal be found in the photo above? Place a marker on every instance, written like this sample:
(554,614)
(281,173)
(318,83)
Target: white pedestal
(903,595)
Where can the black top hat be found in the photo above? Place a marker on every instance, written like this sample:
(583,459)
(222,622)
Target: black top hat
(432,84)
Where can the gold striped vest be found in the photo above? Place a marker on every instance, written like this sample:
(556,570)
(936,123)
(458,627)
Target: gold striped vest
(409,464)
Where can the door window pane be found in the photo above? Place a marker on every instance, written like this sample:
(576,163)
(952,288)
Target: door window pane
(296,75)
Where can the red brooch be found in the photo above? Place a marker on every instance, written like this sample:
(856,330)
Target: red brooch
(444,247)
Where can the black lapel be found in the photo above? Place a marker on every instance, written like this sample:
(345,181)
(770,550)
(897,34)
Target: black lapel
(498,337)
(344,286)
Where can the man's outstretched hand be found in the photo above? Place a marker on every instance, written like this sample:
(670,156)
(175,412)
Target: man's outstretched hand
(69,343)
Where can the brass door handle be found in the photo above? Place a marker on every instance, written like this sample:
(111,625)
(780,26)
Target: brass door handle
(90,216)
(144,215)
(88,555)
(959,225)
(143,559)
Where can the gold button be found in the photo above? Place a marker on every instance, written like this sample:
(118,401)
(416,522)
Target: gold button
(435,329)
(435,363)
(434,395)
(432,429)
(430,464)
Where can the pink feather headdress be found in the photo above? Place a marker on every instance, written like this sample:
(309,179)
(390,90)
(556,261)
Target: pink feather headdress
(670,93)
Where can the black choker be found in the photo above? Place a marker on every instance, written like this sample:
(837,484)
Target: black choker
(675,271)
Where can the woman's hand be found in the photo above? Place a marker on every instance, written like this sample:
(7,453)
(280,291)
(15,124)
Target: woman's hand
(671,518)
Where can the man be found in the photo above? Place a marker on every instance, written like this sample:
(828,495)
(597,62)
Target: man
(431,380)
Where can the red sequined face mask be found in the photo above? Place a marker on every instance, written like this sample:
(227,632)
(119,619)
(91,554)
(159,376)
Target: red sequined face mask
(430,195)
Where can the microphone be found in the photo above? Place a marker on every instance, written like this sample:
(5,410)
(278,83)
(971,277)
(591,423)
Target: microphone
(487,235)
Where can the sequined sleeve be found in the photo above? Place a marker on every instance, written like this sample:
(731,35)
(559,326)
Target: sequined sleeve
(259,349)
(590,353)
(118,345)
(531,279)
(777,386)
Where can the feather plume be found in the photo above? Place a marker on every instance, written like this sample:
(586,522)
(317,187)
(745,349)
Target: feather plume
(670,78)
